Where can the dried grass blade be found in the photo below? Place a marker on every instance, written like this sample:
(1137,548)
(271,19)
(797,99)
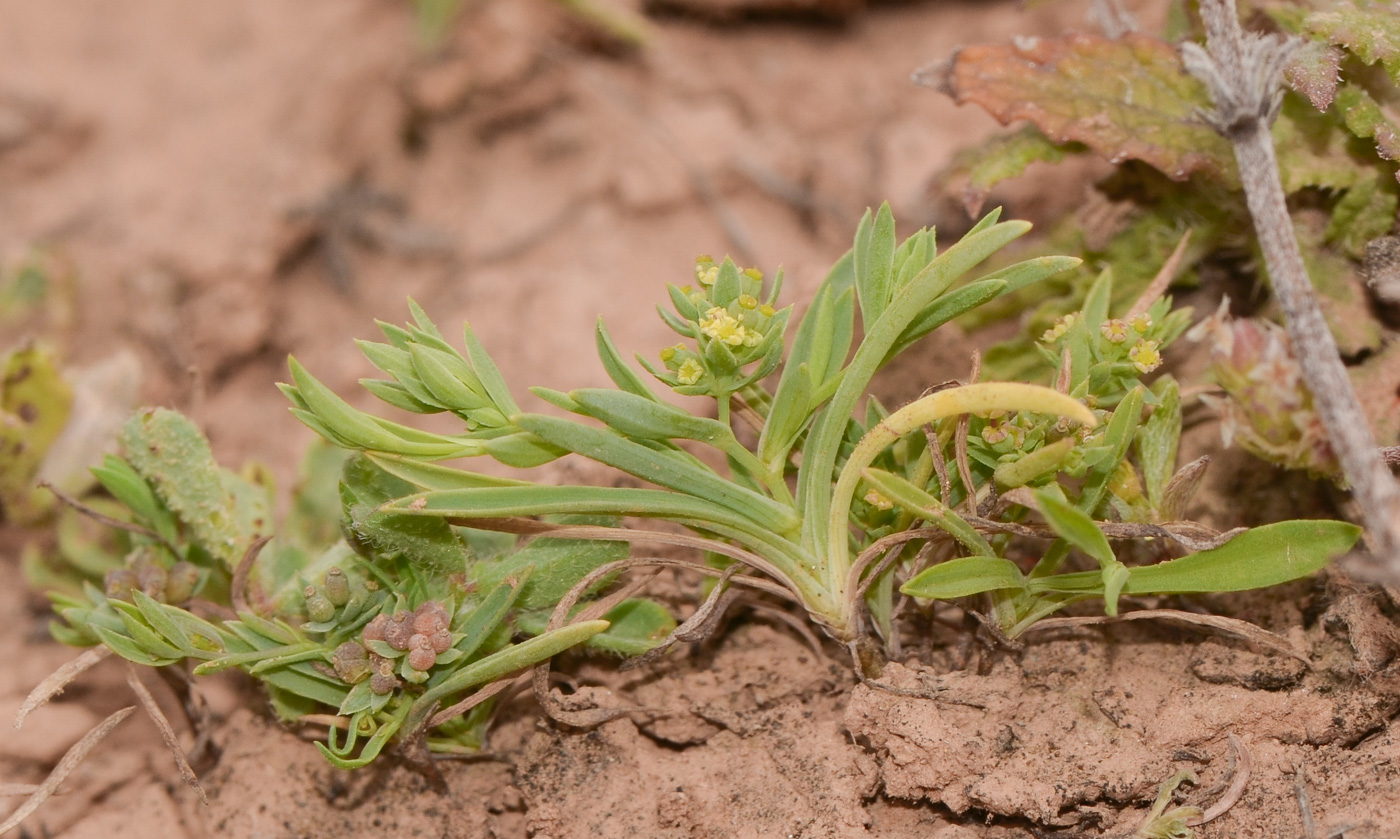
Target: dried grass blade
(166,732)
(238,588)
(65,767)
(58,680)
(1244,764)
(1229,626)
(1164,278)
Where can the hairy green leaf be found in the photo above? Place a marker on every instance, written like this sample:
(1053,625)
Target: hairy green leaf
(1124,98)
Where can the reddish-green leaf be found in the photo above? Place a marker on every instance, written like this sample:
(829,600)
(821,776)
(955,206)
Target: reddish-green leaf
(1123,98)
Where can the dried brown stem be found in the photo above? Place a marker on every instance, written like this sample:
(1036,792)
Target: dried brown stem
(238,588)
(1229,626)
(58,680)
(103,518)
(1243,74)
(167,733)
(65,767)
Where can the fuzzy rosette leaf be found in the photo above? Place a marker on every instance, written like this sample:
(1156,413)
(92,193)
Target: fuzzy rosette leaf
(1125,98)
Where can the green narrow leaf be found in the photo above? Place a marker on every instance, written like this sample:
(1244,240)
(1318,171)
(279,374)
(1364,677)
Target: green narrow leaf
(129,649)
(965,577)
(622,375)
(155,615)
(874,262)
(637,417)
(431,476)
(515,657)
(488,373)
(1262,556)
(485,618)
(634,459)
(792,408)
(1075,527)
(1158,439)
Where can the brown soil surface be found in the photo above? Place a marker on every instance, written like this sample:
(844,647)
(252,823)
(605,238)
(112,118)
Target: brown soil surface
(235,182)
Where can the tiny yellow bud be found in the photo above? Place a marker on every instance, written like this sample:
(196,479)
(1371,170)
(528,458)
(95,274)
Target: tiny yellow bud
(747,301)
(767,311)
(1141,323)
(668,353)
(753,273)
(690,372)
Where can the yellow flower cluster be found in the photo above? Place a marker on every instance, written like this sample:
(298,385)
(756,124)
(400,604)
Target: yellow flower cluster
(718,324)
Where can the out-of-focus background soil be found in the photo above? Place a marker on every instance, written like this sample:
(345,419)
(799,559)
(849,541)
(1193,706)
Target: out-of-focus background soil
(225,184)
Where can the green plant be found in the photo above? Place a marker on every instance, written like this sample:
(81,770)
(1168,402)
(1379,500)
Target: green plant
(822,499)
(350,632)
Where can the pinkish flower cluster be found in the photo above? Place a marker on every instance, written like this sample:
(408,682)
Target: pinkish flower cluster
(1267,408)
(423,634)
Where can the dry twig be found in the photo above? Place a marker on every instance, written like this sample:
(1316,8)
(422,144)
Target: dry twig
(58,680)
(65,767)
(1243,75)
(167,733)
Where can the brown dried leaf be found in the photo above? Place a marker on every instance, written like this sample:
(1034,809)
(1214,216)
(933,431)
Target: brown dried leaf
(1124,98)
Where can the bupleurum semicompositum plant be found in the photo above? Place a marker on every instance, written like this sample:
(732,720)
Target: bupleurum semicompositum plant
(833,502)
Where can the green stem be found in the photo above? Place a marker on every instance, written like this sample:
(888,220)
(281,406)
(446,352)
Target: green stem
(969,399)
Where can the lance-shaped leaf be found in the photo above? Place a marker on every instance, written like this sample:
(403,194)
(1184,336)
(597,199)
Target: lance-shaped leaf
(1123,98)
(498,502)
(874,262)
(645,419)
(1074,526)
(1260,557)
(965,577)
(617,369)
(673,473)
(557,565)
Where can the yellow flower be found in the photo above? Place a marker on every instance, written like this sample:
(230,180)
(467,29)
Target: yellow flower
(1144,356)
(1141,323)
(690,372)
(706,270)
(994,432)
(747,301)
(1058,330)
(722,326)
(1114,331)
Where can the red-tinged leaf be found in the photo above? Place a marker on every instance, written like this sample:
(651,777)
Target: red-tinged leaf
(1370,31)
(1315,72)
(1123,98)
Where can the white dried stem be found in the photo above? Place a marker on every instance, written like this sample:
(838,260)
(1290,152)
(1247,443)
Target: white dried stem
(1243,74)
